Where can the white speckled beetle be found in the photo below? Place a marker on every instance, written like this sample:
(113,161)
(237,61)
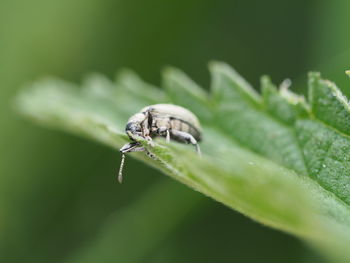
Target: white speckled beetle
(161,120)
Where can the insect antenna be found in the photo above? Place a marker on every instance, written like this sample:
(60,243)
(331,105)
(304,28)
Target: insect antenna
(120,173)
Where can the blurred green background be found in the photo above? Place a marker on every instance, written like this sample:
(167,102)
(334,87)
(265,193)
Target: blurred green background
(58,198)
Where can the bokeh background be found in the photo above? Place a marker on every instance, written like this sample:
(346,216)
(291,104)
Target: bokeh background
(58,198)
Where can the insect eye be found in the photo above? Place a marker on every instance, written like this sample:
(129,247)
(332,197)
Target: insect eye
(133,127)
(137,128)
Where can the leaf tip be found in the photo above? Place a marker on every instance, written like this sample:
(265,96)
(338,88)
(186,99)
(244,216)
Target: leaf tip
(265,79)
(170,72)
(314,76)
(267,86)
(347,72)
(219,66)
(265,82)
(125,74)
(214,63)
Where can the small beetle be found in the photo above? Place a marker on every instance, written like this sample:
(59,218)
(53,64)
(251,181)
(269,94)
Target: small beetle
(161,120)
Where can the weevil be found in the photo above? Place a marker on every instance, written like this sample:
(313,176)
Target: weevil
(160,120)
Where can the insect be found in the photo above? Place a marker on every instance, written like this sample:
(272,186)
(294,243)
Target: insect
(160,120)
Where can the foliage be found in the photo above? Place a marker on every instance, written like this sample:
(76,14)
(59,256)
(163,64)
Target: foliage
(277,158)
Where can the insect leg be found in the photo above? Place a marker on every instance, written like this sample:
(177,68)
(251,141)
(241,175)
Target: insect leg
(164,131)
(186,137)
(146,127)
(167,138)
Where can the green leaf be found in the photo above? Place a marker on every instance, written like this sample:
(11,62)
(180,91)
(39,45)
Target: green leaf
(328,104)
(278,159)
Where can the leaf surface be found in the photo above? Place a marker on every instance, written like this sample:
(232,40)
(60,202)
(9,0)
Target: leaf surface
(278,158)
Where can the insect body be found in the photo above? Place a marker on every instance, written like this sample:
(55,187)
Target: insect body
(161,120)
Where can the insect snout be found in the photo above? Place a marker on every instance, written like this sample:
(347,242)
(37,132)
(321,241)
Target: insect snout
(129,147)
